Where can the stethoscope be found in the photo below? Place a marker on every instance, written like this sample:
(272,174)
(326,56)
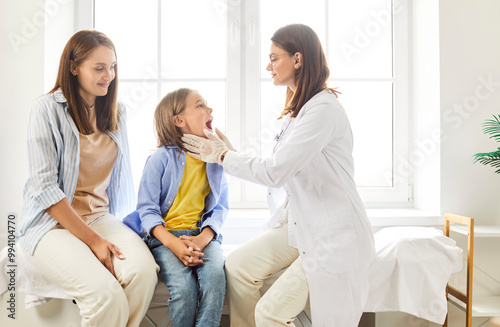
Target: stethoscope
(279,137)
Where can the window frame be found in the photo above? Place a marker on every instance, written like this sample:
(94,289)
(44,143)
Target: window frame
(243,92)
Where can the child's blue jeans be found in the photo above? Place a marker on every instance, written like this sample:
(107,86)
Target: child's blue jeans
(202,286)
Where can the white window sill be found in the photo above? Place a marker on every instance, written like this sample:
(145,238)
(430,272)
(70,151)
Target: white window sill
(378,217)
(381,217)
(242,225)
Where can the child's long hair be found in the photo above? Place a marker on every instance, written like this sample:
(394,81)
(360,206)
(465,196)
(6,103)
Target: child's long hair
(312,75)
(171,105)
(78,48)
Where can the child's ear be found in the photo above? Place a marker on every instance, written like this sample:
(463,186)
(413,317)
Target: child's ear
(178,121)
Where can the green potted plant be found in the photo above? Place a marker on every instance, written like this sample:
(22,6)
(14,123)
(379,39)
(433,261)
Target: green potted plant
(491,127)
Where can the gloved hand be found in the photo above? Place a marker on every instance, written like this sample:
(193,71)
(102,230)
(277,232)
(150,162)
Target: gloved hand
(208,150)
(225,140)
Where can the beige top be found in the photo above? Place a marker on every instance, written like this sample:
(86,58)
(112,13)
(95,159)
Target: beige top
(98,154)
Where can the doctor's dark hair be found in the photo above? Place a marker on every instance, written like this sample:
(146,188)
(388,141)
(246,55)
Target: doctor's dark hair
(312,75)
(78,49)
(171,105)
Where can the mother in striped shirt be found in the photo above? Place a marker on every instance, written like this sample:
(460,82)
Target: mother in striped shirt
(79,182)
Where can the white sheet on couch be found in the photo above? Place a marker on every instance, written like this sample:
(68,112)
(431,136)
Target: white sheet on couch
(410,271)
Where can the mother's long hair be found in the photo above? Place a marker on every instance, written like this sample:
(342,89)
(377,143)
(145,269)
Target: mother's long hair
(312,75)
(78,49)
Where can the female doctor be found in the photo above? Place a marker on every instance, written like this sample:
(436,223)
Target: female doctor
(321,230)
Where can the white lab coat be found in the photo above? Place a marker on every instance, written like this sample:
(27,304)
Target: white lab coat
(313,163)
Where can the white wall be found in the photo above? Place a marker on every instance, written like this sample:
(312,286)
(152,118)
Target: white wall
(469,56)
(456,48)
(21,82)
(33,36)
(31,33)
(469,52)
(453,53)
(426,145)
(59,27)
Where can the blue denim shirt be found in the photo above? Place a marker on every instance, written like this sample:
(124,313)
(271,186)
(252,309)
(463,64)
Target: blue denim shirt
(159,185)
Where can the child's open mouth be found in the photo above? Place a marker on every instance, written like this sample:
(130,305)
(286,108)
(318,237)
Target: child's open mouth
(209,124)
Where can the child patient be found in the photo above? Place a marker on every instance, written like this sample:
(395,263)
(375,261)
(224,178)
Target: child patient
(182,205)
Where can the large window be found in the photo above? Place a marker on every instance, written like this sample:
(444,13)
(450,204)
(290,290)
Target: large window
(220,48)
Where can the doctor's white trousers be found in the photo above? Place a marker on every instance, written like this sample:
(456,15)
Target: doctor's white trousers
(246,269)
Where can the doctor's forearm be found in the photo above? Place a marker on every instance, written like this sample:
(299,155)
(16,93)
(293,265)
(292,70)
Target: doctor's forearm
(256,170)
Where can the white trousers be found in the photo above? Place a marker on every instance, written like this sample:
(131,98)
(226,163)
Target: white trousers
(246,269)
(103,299)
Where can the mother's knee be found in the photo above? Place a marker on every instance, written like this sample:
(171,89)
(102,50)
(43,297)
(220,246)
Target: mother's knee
(143,271)
(106,298)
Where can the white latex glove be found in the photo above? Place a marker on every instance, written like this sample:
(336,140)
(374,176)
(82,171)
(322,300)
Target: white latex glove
(225,140)
(208,150)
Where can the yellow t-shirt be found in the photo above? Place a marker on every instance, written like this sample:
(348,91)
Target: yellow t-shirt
(189,203)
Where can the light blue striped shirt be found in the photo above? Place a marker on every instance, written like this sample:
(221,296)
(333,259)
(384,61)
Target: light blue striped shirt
(54,158)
